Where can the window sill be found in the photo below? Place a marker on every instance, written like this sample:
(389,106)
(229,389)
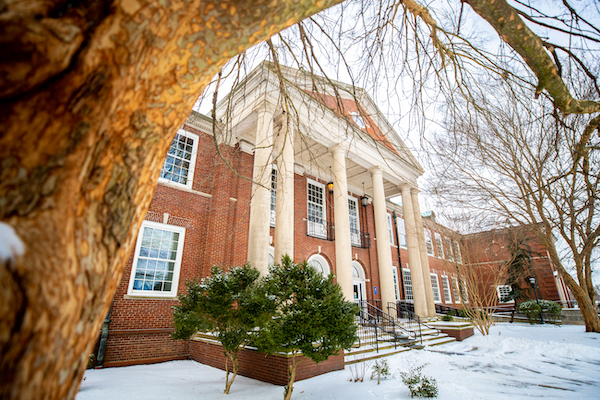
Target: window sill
(184,188)
(147,297)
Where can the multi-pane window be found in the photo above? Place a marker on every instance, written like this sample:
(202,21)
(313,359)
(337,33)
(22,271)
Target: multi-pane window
(179,165)
(396,285)
(439,245)
(455,289)
(428,241)
(390,228)
(436,288)
(273,195)
(401,232)
(463,291)
(449,253)
(354,222)
(457,255)
(408,292)
(446,288)
(157,261)
(317,224)
(503,291)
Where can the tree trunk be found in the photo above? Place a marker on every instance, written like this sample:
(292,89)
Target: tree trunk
(292,373)
(235,365)
(91,95)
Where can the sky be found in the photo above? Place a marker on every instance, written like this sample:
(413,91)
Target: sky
(516,361)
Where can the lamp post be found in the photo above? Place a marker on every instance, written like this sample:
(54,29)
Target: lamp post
(532,282)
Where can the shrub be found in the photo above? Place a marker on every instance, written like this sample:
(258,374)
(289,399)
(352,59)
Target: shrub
(447,318)
(381,369)
(418,384)
(532,310)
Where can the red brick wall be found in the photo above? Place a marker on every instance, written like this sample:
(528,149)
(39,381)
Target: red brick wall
(267,368)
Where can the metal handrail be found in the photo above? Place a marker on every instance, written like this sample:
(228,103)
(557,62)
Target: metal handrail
(385,321)
(414,320)
(360,239)
(320,228)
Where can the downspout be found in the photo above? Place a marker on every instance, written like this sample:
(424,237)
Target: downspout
(400,277)
(103,339)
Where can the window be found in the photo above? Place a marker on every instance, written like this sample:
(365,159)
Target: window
(446,288)
(463,291)
(457,255)
(358,120)
(455,289)
(449,255)
(273,194)
(408,292)
(390,228)
(319,263)
(317,223)
(396,286)
(428,241)
(436,288)
(157,260)
(503,291)
(354,222)
(439,245)
(181,159)
(401,232)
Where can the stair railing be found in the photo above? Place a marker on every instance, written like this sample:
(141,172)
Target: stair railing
(409,319)
(385,321)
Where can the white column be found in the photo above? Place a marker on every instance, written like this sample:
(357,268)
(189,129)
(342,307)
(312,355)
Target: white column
(284,203)
(384,251)
(260,204)
(414,192)
(414,257)
(341,217)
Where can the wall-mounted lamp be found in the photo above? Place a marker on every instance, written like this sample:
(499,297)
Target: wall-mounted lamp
(330,187)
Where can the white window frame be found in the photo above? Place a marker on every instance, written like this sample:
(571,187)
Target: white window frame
(449,250)
(439,245)
(455,289)
(355,238)
(322,261)
(464,294)
(401,232)
(456,249)
(396,283)
(503,290)
(428,241)
(390,228)
(192,161)
(273,202)
(323,228)
(435,285)
(408,291)
(446,289)
(177,267)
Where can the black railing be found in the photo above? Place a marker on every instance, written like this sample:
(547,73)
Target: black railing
(383,323)
(320,228)
(360,239)
(406,317)
(445,310)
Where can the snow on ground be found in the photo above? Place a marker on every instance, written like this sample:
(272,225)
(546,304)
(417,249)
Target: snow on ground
(10,243)
(515,361)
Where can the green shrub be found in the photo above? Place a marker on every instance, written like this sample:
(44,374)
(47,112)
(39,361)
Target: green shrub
(418,384)
(531,308)
(447,318)
(381,369)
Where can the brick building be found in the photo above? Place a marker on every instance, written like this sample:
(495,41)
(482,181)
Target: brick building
(320,193)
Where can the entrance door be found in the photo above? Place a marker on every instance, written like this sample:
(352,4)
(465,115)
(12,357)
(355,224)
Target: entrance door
(358,278)
(358,291)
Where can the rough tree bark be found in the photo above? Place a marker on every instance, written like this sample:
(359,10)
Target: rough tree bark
(91,94)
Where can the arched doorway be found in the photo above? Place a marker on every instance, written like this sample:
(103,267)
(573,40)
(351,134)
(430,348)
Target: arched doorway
(319,263)
(358,280)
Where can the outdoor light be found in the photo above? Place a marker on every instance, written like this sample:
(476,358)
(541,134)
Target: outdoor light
(532,281)
(330,187)
(364,201)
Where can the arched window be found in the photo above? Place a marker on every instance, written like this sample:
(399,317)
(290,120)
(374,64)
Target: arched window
(319,263)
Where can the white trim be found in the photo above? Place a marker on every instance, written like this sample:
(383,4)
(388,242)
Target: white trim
(317,226)
(396,283)
(355,238)
(405,274)
(390,228)
(428,242)
(177,262)
(322,261)
(455,289)
(435,285)
(446,289)
(439,244)
(401,232)
(360,280)
(192,161)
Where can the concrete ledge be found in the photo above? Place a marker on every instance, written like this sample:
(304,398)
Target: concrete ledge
(458,330)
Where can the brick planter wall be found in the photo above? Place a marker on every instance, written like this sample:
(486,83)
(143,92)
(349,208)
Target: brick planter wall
(266,368)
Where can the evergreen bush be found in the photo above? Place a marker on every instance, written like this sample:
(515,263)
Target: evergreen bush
(419,384)
(532,309)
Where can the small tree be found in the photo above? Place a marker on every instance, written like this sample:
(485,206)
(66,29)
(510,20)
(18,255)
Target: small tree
(313,319)
(229,303)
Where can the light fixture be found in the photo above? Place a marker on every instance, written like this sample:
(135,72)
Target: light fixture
(364,200)
(330,187)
